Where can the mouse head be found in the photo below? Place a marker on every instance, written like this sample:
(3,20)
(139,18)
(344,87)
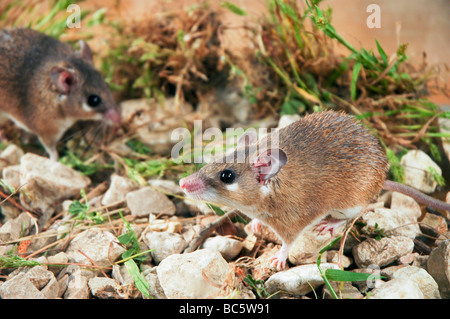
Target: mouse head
(82,92)
(238,185)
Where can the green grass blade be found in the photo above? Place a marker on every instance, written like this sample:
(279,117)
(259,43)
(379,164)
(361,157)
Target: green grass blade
(342,275)
(319,259)
(14,261)
(139,280)
(287,10)
(382,53)
(355,74)
(233,8)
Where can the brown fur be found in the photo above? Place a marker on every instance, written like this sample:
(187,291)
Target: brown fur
(333,163)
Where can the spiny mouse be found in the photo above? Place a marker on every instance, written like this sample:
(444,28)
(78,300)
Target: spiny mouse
(321,170)
(46,86)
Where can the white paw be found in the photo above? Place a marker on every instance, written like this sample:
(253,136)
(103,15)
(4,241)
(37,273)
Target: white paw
(329,225)
(255,226)
(279,260)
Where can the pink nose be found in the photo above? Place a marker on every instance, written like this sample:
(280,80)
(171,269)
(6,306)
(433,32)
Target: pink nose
(113,115)
(192,184)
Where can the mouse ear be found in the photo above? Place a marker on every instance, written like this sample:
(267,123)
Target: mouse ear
(85,52)
(64,79)
(268,164)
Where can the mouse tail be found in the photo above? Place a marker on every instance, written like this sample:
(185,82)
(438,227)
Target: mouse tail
(417,195)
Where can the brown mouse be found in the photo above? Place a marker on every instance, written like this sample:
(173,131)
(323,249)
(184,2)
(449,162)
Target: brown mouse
(46,86)
(321,170)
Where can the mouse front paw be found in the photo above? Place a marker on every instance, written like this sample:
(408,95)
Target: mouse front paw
(329,224)
(255,225)
(279,260)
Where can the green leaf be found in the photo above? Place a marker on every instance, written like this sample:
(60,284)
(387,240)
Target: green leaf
(382,53)
(355,74)
(233,8)
(78,209)
(288,10)
(257,286)
(342,275)
(126,239)
(139,280)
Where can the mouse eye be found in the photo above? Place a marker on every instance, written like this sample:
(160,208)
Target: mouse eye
(94,100)
(227,176)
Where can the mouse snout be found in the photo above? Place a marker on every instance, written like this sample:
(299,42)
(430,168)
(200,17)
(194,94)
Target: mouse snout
(113,115)
(192,185)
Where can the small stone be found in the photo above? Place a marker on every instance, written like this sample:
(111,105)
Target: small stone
(195,275)
(120,186)
(12,154)
(228,247)
(346,291)
(416,164)
(190,232)
(399,288)
(11,176)
(46,184)
(39,242)
(298,280)
(392,222)
(408,258)
(20,287)
(58,259)
(155,290)
(306,247)
(39,276)
(421,262)
(166,185)
(423,279)
(171,225)
(13,229)
(77,287)
(249,244)
(100,246)
(265,233)
(164,244)
(438,223)
(122,276)
(405,204)
(63,283)
(333,257)
(153,122)
(36,283)
(262,266)
(146,201)
(381,252)
(105,288)
(438,266)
